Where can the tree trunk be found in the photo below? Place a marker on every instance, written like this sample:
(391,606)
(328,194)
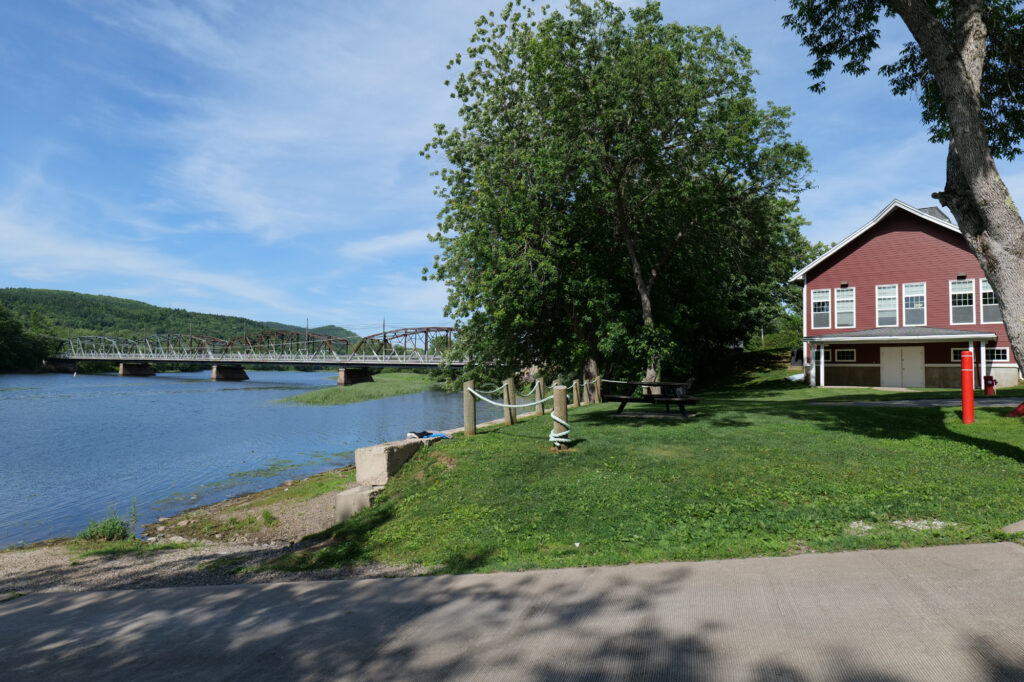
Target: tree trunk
(643,287)
(975,193)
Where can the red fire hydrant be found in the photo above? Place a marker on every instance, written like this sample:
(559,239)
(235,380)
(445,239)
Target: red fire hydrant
(990,385)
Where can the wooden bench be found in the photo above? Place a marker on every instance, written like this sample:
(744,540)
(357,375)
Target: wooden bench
(668,394)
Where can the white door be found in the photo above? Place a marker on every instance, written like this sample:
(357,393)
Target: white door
(913,366)
(902,366)
(892,366)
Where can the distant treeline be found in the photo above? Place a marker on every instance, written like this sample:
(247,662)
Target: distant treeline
(66,313)
(33,321)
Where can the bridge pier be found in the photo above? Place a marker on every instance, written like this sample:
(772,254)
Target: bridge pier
(60,365)
(228,373)
(354,375)
(135,369)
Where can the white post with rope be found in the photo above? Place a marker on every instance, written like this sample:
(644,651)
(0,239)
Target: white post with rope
(468,409)
(539,396)
(560,415)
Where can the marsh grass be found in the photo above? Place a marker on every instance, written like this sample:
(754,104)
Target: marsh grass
(763,470)
(384,385)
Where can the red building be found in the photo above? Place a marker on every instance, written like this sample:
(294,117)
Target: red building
(896,302)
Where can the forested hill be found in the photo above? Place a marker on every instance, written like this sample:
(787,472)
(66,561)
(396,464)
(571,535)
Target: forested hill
(66,313)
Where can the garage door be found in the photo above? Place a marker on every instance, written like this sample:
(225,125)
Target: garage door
(903,366)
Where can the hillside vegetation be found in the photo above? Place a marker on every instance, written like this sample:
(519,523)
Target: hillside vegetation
(67,313)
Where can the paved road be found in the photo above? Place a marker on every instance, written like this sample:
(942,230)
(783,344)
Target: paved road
(925,402)
(941,613)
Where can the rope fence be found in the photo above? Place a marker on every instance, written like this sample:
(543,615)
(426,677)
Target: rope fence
(560,429)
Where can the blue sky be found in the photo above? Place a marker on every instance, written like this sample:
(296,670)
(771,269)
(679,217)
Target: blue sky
(262,158)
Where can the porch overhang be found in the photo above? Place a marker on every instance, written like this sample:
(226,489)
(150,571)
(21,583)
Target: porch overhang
(903,335)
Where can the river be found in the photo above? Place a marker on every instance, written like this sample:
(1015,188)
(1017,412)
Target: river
(74,448)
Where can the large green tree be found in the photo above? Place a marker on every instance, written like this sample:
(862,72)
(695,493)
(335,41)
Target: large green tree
(615,197)
(966,66)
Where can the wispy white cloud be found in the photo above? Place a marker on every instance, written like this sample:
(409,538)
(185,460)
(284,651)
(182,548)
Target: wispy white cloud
(319,132)
(42,253)
(380,247)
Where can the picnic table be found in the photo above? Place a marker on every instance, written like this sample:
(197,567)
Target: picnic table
(667,393)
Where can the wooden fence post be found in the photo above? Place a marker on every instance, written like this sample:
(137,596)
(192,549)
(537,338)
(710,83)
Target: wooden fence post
(575,392)
(559,410)
(509,399)
(539,395)
(597,388)
(468,409)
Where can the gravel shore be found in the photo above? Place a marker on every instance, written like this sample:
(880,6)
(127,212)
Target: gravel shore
(226,552)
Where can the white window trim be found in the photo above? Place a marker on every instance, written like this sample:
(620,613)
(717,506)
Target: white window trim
(981,292)
(903,303)
(995,348)
(846,350)
(830,308)
(974,308)
(835,308)
(899,304)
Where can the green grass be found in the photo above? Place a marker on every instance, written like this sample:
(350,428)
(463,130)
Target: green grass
(384,385)
(762,470)
(303,490)
(82,548)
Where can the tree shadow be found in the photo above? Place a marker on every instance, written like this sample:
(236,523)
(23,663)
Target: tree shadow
(664,622)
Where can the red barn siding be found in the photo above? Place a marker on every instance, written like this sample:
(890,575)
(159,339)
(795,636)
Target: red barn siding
(901,249)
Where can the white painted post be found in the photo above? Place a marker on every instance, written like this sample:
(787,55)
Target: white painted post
(823,365)
(812,366)
(981,357)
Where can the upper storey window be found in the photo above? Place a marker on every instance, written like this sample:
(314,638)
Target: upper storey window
(989,305)
(821,308)
(846,308)
(887,312)
(914,313)
(961,301)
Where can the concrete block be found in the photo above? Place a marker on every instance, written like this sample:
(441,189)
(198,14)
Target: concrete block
(228,373)
(350,501)
(377,463)
(1014,527)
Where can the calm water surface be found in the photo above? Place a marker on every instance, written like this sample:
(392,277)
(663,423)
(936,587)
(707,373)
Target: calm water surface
(79,447)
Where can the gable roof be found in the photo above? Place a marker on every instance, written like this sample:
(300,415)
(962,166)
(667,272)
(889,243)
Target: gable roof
(933,215)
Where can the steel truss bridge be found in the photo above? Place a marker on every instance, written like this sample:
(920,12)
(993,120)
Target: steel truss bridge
(414,346)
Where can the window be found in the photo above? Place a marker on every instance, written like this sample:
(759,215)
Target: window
(828,355)
(846,302)
(846,355)
(913,305)
(997,354)
(961,301)
(989,305)
(956,354)
(821,308)
(886,311)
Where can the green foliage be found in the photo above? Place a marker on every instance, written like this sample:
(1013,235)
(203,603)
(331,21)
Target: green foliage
(763,470)
(848,30)
(20,350)
(615,195)
(109,529)
(64,313)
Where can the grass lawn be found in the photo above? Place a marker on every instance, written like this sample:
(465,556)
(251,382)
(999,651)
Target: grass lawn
(384,385)
(761,471)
